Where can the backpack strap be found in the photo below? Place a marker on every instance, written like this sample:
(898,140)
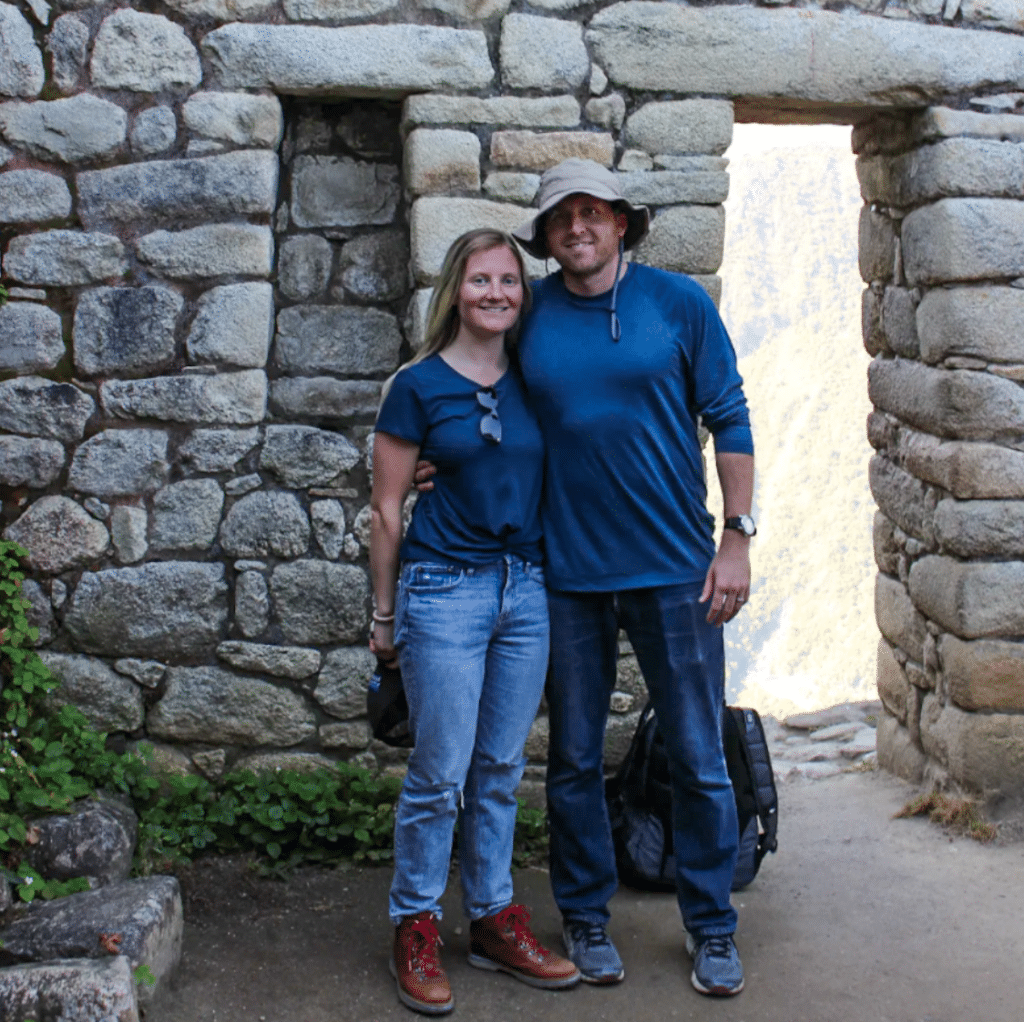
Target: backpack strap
(755,749)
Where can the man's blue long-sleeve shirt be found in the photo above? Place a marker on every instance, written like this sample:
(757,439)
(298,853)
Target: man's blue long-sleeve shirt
(625,494)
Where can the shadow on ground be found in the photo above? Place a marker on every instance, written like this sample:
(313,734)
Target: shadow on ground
(858,918)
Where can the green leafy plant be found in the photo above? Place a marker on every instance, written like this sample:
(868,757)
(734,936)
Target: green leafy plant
(50,757)
(142,974)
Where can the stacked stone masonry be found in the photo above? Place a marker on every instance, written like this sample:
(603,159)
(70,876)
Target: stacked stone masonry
(219,228)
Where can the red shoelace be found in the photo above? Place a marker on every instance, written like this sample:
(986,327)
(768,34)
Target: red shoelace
(424,943)
(515,918)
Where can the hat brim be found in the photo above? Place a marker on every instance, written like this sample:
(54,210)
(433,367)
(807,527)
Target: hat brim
(531,234)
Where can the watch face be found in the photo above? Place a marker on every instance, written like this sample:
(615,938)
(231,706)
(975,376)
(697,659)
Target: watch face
(747,524)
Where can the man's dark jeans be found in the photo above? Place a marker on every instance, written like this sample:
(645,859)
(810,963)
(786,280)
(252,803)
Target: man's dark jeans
(682,660)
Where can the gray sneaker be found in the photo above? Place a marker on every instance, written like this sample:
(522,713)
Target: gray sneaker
(590,949)
(717,969)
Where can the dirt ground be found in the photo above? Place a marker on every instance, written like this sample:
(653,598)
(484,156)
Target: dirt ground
(858,918)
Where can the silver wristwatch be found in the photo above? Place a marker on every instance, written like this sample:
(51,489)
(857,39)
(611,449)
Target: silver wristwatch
(742,523)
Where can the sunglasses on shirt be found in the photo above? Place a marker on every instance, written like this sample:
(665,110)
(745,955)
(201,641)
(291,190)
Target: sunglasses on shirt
(490,424)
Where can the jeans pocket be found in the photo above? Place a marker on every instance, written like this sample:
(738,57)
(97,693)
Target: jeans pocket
(424,578)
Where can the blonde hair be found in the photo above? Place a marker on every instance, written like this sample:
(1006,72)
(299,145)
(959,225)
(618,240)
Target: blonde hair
(443,322)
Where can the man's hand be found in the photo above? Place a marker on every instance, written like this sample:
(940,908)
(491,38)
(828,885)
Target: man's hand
(728,578)
(421,480)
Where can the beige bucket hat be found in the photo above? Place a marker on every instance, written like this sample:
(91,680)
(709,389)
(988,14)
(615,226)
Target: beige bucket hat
(576,176)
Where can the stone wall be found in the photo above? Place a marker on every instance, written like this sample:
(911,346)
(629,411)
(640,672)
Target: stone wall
(220,223)
(944,317)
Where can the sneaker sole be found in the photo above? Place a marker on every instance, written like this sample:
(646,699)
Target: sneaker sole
(563,983)
(714,991)
(422,1006)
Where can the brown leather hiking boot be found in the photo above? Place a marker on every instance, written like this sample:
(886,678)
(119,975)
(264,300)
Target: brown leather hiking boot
(416,966)
(505,943)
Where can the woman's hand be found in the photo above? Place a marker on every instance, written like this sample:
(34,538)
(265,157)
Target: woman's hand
(382,641)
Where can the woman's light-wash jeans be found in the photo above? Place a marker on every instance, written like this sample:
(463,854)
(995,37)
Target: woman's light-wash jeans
(473,647)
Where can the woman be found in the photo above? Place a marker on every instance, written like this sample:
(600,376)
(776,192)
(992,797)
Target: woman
(468,620)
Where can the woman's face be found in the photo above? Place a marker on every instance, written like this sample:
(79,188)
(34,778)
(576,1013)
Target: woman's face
(491,293)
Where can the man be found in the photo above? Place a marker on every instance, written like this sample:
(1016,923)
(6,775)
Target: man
(619,361)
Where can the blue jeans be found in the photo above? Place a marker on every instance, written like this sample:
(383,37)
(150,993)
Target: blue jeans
(473,647)
(682,659)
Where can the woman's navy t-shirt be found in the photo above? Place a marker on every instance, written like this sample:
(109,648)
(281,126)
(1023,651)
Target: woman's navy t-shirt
(486,497)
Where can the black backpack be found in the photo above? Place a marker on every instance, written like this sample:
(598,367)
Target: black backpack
(639,800)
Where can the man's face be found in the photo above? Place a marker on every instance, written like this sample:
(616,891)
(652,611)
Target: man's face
(583,234)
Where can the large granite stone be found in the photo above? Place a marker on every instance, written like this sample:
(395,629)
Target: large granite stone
(897,618)
(125,331)
(318,602)
(301,456)
(228,398)
(328,520)
(64,258)
(681,127)
(688,239)
(59,534)
(233,325)
(215,250)
(967,470)
(83,127)
(95,840)
(237,118)
(39,613)
(378,60)
(221,10)
(265,523)
(186,515)
(31,338)
(323,397)
(995,13)
(304,266)
(547,54)
(118,462)
(897,752)
(68,46)
(671,187)
(442,161)
(980,528)
(108,700)
(98,989)
(154,131)
(508,111)
(607,111)
(295,662)
(209,704)
(982,322)
(338,339)
(143,53)
(217,450)
(42,408)
(163,609)
(29,462)
(972,600)
(958,403)
(815,55)
(528,150)
(963,239)
(146,912)
(436,222)
(21,69)
(252,604)
(335,191)
(214,187)
(893,687)
(28,196)
(128,526)
(336,10)
(987,674)
(983,752)
(902,498)
(374,267)
(341,685)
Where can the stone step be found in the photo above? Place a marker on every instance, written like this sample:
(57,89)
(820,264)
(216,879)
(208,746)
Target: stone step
(145,912)
(70,990)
